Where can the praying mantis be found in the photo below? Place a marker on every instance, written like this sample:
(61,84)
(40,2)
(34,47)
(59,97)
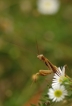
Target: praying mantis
(52,68)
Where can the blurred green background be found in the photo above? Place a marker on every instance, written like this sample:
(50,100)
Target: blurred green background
(21,25)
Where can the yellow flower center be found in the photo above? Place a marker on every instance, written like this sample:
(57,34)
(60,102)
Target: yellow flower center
(47,4)
(61,78)
(58,93)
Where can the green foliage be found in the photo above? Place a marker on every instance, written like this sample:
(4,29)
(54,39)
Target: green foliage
(44,101)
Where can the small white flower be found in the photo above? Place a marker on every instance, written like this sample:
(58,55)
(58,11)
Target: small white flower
(48,6)
(59,77)
(57,93)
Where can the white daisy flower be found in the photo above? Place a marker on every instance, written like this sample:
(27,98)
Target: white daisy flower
(57,93)
(59,77)
(48,6)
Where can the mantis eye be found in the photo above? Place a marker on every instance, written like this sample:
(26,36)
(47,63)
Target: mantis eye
(40,56)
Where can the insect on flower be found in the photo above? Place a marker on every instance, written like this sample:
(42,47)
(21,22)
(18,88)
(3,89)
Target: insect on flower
(51,68)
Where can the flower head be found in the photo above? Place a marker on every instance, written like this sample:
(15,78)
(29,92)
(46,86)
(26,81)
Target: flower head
(48,6)
(57,93)
(59,77)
